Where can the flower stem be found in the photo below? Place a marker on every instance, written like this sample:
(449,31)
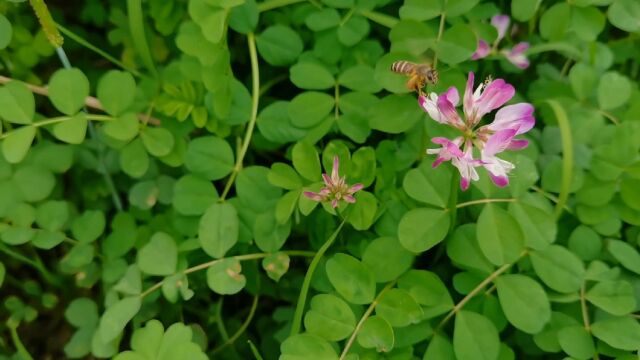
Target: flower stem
(365,316)
(20,349)
(482,201)
(255,97)
(243,327)
(567,155)
(474,292)
(585,316)
(302,298)
(443,16)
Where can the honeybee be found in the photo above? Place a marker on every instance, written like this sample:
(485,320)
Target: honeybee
(419,74)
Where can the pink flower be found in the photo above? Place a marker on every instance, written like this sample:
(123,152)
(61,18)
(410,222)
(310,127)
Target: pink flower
(335,189)
(490,140)
(515,55)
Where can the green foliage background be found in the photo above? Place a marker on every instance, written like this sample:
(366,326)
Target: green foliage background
(154,155)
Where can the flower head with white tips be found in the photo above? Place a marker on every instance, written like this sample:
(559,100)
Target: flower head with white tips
(490,140)
(335,188)
(515,55)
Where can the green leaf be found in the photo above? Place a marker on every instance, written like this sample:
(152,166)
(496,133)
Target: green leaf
(376,333)
(114,320)
(131,282)
(158,141)
(626,254)
(455,8)
(524,302)
(134,159)
(52,215)
(80,343)
(298,347)
(499,235)
(276,265)
(244,18)
(269,235)
(353,30)
(212,19)
(17,143)
(89,226)
(17,235)
(279,45)
(323,19)
(625,15)
(475,337)
(310,108)
(428,290)
(68,89)
(614,90)
(116,91)
(124,127)
(363,212)
(329,317)
(210,157)
(576,342)
(423,228)
(458,43)
(619,332)
(6,32)
(254,189)
(386,258)
(34,182)
(224,277)
(306,160)
(523,10)
(630,192)
(394,114)
(359,78)
(159,256)
(554,22)
(192,195)
(428,186)
(82,312)
(614,297)
(219,228)
(420,9)
(463,249)
(538,226)
(585,242)
(72,131)
(439,348)
(351,279)
(284,176)
(311,76)
(17,104)
(583,79)
(587,22)
(399,308)
(558,268)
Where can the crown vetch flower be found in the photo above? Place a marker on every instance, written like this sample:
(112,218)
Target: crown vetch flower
(490,140)
(515,55)
(336,188)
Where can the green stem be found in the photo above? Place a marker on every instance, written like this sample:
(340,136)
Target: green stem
(49,277)
(20,349)
(255,97)
(567,155)
(585,316)
(136,26)
(380,18)
(443,16)
(255,351)
(482,201)
(60,119)
(365,316)
(474,292)
(77,38)
(273,4)
(208,264)
(243,327)
(302,298)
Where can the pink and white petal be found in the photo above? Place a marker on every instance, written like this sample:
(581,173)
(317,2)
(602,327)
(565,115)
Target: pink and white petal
(482,50)
(520,48)
(448,111)
(313,196)
(464,183)
(430,105)
(516,116)
(328,181)
(350,199)
(496,94)
(498,142)
(452,95)
(334,203)
(468,101)
(500,181)
(355,187)
(449,146)
(518,144)
(520,61)
(335,176)
(501,23)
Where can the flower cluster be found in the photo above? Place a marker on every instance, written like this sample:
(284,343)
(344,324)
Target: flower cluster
(490,140)
(336,188)
(515,55)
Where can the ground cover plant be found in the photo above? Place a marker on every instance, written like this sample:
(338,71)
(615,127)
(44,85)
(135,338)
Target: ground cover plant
(319,179)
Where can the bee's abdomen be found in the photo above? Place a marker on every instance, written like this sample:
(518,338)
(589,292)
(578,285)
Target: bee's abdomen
(402,67)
